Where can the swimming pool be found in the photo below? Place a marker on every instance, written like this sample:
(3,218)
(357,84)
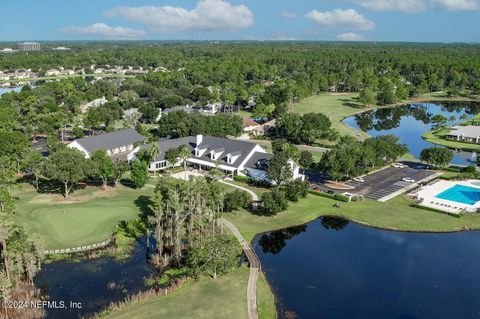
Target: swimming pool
(461,194)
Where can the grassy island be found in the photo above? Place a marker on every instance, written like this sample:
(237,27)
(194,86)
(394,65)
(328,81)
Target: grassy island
(438,138)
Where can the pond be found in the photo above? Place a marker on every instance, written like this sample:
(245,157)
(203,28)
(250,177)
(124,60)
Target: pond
(410,122)
(94,283)
(333,269)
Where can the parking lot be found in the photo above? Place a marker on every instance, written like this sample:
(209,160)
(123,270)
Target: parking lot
(384,183)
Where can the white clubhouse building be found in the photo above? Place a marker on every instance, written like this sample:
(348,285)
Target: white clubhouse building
(233,157)
(465,134)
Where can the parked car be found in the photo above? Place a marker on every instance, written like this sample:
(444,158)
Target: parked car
(359,179)
(408,180)
(398,165)
(347,194)
(331,192)
(317,189)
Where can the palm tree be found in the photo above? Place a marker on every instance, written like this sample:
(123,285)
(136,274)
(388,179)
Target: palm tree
(153,152)
(184,154)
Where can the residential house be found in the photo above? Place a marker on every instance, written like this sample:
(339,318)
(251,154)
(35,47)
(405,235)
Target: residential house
(233,157)
(117,144)
(465,134)
(92,104)
(257,129)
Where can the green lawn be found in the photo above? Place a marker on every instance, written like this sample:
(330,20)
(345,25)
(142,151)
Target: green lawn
(395,214)
(438,138)
(222,298)
(336,107)
(89,216)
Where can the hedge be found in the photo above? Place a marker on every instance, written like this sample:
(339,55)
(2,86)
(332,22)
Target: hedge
(338,197)
(435,210)
(243,179)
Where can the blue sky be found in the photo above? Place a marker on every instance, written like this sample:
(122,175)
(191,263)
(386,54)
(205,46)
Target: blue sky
(374,20)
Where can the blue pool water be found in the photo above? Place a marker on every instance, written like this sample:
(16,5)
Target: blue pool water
(461,194)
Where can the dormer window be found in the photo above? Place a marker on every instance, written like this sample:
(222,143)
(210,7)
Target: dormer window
(215,154)
(232,157)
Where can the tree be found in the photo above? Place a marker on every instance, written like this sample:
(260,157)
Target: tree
(103,167)
(139,173)
(67,166)
(35,163)
(273,202)
(78,132)
(7,202)
(306,159)
(279,168)
(120,168)
(439,121)
(184,154)
(153,152)
(262,111)
(386,95)
(367,97)
(436,156)
(214,255)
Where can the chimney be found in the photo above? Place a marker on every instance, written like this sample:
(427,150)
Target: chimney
(199,140)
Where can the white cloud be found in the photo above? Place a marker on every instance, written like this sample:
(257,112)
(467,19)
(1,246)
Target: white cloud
(456,5)
(416,6)
(105,31)
(341,18)
(288,14)
(209,15)
(350,36)
(409,6)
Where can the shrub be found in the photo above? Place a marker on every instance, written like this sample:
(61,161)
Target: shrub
(242,179)
(435,210)
(274,202)
(341,198)
(470,169)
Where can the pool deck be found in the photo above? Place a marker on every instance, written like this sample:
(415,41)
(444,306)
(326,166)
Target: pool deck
(427,197)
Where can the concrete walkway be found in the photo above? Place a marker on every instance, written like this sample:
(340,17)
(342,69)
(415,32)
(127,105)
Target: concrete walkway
(254,196)
(254,269)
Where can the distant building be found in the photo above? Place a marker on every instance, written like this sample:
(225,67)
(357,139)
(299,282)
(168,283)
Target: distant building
(61,49)
(92,104)
(29,46)
(465,134)
(117,144)
(8,50)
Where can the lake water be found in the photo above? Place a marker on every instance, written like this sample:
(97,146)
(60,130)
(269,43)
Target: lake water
(333,269)
(90,281)
(6,90)
(410,122)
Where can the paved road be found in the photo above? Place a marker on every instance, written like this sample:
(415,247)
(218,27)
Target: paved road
(254,269)
(254,196)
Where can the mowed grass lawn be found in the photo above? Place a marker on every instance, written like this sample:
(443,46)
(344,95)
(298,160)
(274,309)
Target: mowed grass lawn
(336,107)
(224,297)
(395,214)
(89,216)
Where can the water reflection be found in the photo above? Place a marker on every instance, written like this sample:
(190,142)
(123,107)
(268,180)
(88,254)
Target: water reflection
(410,122)
(94,283)
(329,270)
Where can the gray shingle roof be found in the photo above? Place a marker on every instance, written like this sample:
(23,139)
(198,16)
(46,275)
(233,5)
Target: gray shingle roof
(214,143)
(110,141)
(259,160)
(467,131)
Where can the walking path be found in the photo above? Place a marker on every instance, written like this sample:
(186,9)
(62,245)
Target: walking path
(254,269)
(252,193)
